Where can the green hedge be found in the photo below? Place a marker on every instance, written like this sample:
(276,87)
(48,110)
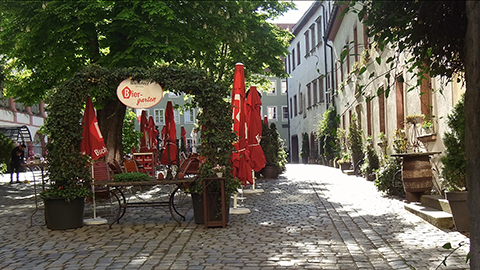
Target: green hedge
(132,177)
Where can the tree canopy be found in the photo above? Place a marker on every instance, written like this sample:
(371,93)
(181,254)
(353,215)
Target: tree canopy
(45,42)
(431,32)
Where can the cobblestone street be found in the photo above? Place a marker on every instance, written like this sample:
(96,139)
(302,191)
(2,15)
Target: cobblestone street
(311,217)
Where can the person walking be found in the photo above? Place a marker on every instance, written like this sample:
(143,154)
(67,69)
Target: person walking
(18,157)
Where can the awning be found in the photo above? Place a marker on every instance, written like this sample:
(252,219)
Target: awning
(20,134)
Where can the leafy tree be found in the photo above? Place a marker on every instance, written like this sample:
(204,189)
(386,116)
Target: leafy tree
(6,147)
(131,136)
(46,42)
(443,38)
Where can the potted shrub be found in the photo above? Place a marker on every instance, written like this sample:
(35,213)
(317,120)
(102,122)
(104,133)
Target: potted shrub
(372,162)
(355,142)
(345,162)
(68,170)
(215,124)
(305,148)
(275,155)
(388,176)
(455,167)
(328,135)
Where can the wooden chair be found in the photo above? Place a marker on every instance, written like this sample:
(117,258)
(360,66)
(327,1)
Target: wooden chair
(115,167)
(130,166)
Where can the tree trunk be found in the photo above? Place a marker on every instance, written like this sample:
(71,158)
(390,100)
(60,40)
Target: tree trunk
(472,114)
(110,121)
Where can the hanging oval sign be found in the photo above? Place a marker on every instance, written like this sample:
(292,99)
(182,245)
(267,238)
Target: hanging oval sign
(139,94)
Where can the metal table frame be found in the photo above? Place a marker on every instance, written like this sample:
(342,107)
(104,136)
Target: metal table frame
(124,204)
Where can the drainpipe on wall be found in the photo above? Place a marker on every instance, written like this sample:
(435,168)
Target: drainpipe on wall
(288,123)
(325,39)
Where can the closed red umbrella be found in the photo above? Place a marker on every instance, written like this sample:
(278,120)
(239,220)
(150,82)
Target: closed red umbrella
(169,135)
(241,158)
(254,124)
(152,134)
(92,143)
(94,146)
(144,131)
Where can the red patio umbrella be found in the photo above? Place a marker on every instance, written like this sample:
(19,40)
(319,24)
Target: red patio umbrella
(169,136)
(152,134)
(241,158)
(92,143)
(144,131)
(254,124)
(94,146)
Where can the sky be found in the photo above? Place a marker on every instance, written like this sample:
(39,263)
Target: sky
(293,16)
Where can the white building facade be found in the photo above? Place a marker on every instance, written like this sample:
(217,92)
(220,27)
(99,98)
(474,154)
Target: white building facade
(309,85)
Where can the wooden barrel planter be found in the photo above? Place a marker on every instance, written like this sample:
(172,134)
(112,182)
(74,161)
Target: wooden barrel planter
(416,175)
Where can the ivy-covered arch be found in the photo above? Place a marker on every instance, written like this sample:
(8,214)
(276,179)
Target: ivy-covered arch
(66,104)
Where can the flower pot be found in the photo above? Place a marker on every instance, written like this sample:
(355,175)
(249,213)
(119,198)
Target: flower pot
(215,207)
(459,207)
(345,166)
(219,174)
(270,172)
(63,215)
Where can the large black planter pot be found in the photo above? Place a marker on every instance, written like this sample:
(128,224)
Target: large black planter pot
(459,207)
(63,215)
(270,172)
(215,210)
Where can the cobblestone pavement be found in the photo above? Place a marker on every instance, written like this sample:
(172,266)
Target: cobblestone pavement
(311,217)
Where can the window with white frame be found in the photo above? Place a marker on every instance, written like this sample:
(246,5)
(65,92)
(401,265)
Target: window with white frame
(272,113)
(189,116)
(284,87)
(158,116)
(176,116)
(284,113)
(272,90)
(312,31)
(307,43)
(319,30)
(298,54)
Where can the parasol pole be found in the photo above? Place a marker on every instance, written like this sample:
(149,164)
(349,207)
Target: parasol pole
(94,220)
(253,190)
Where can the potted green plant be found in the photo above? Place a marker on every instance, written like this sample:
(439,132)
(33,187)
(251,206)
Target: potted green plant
(388,176)
(355,141)
(328,136)
(68,170)
(372,163)
(305,148)
(455,167)
(275,155)
(345,162)
(215,124)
